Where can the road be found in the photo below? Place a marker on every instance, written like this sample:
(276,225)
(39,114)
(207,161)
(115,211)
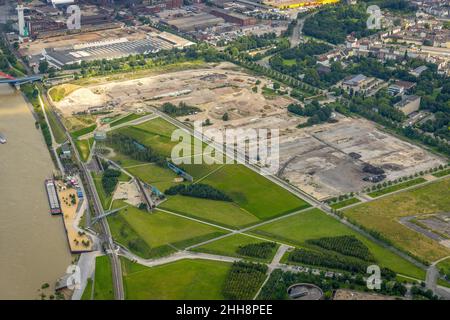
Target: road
(126,124)
(431,280)
(180,255)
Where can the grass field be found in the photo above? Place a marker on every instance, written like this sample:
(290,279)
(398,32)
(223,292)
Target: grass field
(221,212)
(444,267)
(157,233)
(162,178)
(155,133)
(314,224)
(442,173)
(58,131)
(344,203)
(104,198)
(59,92)
(289,62)
(228,247)
(125,119)
(396,187)
(253,192)
(84,147)
(103,282)
(249,190)
(78,133)
(183,280)
(87,293)
(382,216)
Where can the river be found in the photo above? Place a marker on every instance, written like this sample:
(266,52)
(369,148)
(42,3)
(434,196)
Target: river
(33,245)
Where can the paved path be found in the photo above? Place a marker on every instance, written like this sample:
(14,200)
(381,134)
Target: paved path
(274,264)
(126,124)
(86,263)
(180,255)
(54,145)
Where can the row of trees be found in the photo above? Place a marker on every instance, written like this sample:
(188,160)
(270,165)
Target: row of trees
(181,110)
(198,190)
(328,260)
(32,94)
(346,245)
(134,149)
(243,280)
(261,250)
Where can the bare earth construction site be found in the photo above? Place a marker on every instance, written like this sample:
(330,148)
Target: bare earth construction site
(324,160)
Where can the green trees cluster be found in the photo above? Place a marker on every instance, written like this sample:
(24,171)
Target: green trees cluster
(110,178)
(315,112)
(262,250)
(9,63)
(334,23)
(243,280)
(32,94)
(347,245)
(198,190)
(328,260)
(134,149)
(182,110)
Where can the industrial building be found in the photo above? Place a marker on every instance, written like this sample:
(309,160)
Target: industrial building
(111,49)
(194,22)
(409,104)
(234,17)
(292,4)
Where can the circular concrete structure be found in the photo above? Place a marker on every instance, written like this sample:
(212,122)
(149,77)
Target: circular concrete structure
(305,291)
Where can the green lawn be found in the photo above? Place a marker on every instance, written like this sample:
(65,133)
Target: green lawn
(221,212)
(162,178)
(442,173)
(344,203)
(125,119)
(314,224)
(157,233)
(84,147)
(228,246)
(103,284)
(444,267)
(58,131)
(104,198)
(253,192)
(78,133)
(382,215)
(289,62)
(180,280)
(87,293)
(396,187)
(155,133)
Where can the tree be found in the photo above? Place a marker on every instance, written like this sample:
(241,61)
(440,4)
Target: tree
(225,116)
(43,66)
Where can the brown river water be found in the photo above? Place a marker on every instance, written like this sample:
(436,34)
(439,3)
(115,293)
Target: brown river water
(33,245)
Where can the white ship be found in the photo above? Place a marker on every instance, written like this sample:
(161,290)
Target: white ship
(2,139)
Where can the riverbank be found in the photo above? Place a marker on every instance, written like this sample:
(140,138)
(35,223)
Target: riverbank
(33,246)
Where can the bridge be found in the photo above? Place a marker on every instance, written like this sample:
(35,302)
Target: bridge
(6,78)
(105,214)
